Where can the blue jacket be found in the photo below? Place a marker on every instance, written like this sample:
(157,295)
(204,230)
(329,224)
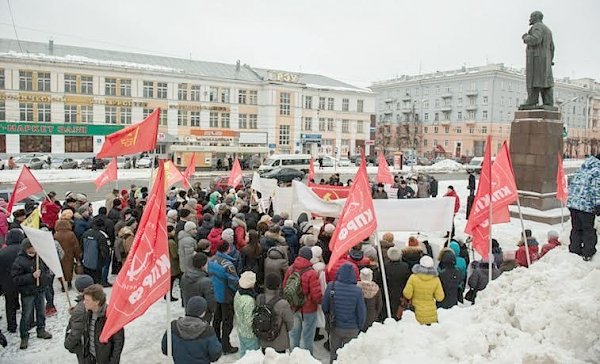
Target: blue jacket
(349,309)
(291,238)
(584,188)
(224,277)
(81,225)
(194,341)
(461,263)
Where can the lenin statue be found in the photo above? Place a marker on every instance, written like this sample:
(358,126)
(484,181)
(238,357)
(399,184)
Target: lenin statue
(538,71)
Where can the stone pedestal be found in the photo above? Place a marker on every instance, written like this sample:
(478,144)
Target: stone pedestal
(535,141)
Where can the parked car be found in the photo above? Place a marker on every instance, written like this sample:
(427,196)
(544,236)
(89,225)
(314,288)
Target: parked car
(344,162)
(222,184)
(123,162)
(145,162)
(64,163)
(475,165)
(424,161)
(329,161)
(5,194)
(285,175)
(100,163)
(32,162)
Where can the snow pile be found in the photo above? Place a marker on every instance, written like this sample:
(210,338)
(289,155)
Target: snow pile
(547,314)
(298,356)
(447,165)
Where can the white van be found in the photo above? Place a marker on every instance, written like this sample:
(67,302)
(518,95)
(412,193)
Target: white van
(300,162)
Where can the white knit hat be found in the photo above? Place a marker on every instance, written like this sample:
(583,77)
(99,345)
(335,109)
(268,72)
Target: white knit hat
(189,226)
(247,279)
(426,261)
(366,274)
(317,252)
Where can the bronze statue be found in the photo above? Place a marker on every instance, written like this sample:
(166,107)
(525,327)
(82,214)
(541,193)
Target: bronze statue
(538,71)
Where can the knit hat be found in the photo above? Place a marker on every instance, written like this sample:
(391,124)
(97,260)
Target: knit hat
(240,216)
(394,254)
(288,223)
(356,254)
(310,240)
(206,217)
(305,252)
(276,219)
(370,252)
(272,281)
(388,237)
(196,306)
(172,214)
(329,228)
(189,226)
(552,234)
(234,210)
(247,279)
(83,208)
(426,261)
(265,219)
(229,201)
(227,235)
(366,274)
(254,205)
(82,282)
(317,253)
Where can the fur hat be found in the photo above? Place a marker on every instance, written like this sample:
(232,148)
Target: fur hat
(227,235)
(305,252)
(247,279)
(394,254)
(272,281)
(265,219)
(388,237)
(183,213)
(370,253)
(229,201)
(82,282)
(19,213)
(319,266)
(189,226)
(288,223)
(426,261)
(329,228)
(172,214)
(317,253)
(366,274)
(207,217)
(203,245)
(196,306)
(310,240)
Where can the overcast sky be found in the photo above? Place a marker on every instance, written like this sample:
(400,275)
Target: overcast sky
(354,41)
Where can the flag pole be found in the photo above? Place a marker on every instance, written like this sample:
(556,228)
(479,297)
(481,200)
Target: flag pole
(523,236)
(169,334)
(386,293)
(62,283)
(562,216)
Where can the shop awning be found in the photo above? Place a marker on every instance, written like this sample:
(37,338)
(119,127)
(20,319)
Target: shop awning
(219,149)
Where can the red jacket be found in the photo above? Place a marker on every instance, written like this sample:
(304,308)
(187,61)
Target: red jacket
(240,237)
(310,284)
(199,212)
(331,274)
(456,200)
(50,211)
(521,257)
(549,246)
(215,239)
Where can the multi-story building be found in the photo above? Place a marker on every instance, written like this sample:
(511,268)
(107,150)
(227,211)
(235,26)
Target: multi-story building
(64,99)
(451,112)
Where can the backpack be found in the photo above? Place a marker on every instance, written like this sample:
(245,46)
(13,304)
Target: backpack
(265,322)
(292,291)
(91,251)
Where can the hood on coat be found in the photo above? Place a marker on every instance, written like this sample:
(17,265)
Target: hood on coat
(302,218)
(274,236)
(190,327)
(369,289)
(235,222)
(301,263)
(346,274)
(62,225)
(182,235)
(447,258)
(423,272)
(455,248)
(215,233)
(590,164)
(286,230)
(275,253)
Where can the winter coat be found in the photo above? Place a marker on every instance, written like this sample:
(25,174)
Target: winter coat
(215,239)
(347,303)
(81,225)
(311,288)
(422,189)
(50,211)
(174,258)
(98,257)
(251,260)
(204,230)
(243,308)
(423,289)
(412,255)
(331,274)
(186,249)
(584,187)
(22,275)
(3,222)
(194,341)
(373,301)
(456,199)
(405,192)
(480,275)
(70,245)
(385,246)
(461,264)
(285,318)
(115,215)
(276,262)
(553,243)
(534,251)
(270,240)
(451,279)
(224,277)
(380,195)
(397,274)
(8,255)
(239,233)
(291,238)
(196,282)
(73,337)
(110,352)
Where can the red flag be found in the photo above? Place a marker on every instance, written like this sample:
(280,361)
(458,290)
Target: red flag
(562,192)
(146,274)
(140,137)
(478,224)
(311,170)
(235,177)
(330,192)
(26,186)
(189,171)
(357,220)
(383,171)
(173,175)
(109,174)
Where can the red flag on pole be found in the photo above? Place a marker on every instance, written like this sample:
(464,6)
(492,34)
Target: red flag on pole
(26,186)
(311,170)
(146,274)
(383,171)
(562,192)
(189,171)
(357,220)
(173,175)
(140,137)
(109,174)
(235,177)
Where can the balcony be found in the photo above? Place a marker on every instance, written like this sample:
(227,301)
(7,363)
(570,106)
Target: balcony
(407,110)
(446,95)
(471,107)
(388,101)
(406,98)
(471,93)
(388,112)
(446,108)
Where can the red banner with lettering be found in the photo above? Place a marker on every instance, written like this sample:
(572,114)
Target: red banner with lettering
(330,192)
(137,138)
(26,186)
(146,274)
(357,220)
(109,174)
(562,192)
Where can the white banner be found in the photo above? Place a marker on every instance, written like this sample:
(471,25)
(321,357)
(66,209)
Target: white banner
(305,200)
(43,242)
(266,186)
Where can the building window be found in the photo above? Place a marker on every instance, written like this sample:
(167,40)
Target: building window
(284,103)
(436,117)
(471,115)
(2,110)
(484,115)
(424,142)
(446,143)
(435,129)
(308,102)
(195,118)
(87,114)
(147,111)
(307,125)
(437,103)
(330,103)
(345,104)
(360,105)
(426,116)
(87,85)
(345,126)
(26,111)
(148,89)
(253,121)
(214,119)
(459,115)
(25,81)
(44,113)
(125,115)
(225,120)
(484,129)
(446,129)
(70,84)
(329,124)
(110,115)
(110,86)
(214,94)
(485,100)
(161,90)
(195,93)
(182,117)
(225,95)
(125,88)
(321,124)
(79,144)
(2,80)
(70,113)
(253,97)
(182,91)
(163,117)
(284,135)
(43,80)
(425,129)
(242,96)
(243,121)
(35,143)
(321,103)
(471,130)
(360,126)
(502,101)
(459,130)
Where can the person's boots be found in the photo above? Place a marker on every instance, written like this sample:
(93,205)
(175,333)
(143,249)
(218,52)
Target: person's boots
(43,334)
(228,349)
(3,341)
(318,336)
(24,343)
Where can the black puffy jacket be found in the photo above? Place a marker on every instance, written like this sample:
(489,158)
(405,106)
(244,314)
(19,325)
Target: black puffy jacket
(22,274)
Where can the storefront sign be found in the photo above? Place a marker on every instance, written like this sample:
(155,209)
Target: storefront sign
(198,107)
(56,129)
(310,137)
(223,133)
(283,76)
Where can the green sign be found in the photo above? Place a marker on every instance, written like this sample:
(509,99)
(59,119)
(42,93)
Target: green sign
(56,129)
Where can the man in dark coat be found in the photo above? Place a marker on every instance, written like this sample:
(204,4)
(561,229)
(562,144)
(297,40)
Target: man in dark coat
(8,256)
(404,191)
(196,282)
(109,229)
(94,244)
(74,335)
(397,273)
